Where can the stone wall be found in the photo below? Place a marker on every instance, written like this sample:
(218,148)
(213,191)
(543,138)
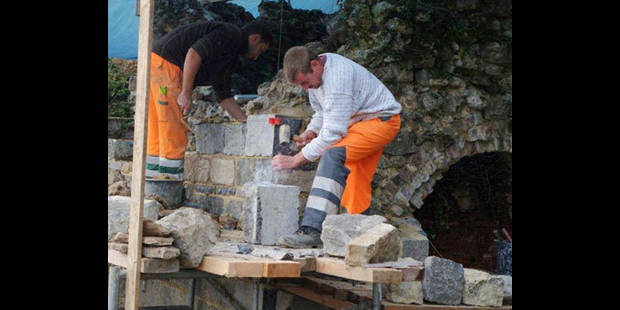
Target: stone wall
(450,66)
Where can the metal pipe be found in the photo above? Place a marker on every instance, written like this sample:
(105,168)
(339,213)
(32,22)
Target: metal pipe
(192,289)
(256,293)
(245,98)
(376,296)
(113,282)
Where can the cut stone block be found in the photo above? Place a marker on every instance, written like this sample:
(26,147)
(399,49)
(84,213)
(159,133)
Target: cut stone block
(118,213)
(120,237)
(260,136)
(443,281)
(234,139)
(482,289)
(339,230)
(209,138)
(195,168)
(222,171)
(406,292)
(507,285)
(270,211)
(120,149)
(413,242)
(301,178)
(377,245)
(163,252)
(194,233)
(244,172)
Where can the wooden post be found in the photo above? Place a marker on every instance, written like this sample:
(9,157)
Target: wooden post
(145,34)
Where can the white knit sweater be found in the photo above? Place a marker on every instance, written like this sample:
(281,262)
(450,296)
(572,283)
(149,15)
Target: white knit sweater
(349,94)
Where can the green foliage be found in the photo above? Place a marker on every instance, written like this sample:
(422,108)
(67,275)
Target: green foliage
(118,92)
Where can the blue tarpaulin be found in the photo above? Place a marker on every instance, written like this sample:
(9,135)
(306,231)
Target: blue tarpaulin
(123,23)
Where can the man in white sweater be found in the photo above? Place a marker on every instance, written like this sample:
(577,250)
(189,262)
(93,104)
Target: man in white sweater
(355,117)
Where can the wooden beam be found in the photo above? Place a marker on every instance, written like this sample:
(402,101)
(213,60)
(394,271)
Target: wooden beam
(318,297)
(249,268)
(145,33)
(231,267)
(337,267)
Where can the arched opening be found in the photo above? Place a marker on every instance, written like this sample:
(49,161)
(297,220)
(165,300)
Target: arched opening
(468,209)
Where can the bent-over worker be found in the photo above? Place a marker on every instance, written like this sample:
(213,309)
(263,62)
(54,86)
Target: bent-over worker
(202,53)
(355,117)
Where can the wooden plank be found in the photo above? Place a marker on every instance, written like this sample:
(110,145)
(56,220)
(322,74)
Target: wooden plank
(321,298)
(232,267)
(147,265)
(337,267)
(282,269)
(145,33)
(395,306)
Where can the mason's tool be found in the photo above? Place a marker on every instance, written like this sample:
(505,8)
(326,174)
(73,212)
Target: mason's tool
(184,122)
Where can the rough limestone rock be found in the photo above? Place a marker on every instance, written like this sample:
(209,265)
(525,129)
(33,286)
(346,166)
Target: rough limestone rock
(269,211)
(119,188)
(377,245)
(406,292)
(118,213)
(194,233)
(339,230)
(413,242)
(482,289)
(443,281)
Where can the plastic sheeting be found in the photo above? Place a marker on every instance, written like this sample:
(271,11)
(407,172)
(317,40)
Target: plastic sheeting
(123,23)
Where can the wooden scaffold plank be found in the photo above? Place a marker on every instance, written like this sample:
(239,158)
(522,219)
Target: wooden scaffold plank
(145,32)
(337,267)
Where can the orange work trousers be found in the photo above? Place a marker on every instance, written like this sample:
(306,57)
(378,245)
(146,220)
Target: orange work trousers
(364,143)
(167,136)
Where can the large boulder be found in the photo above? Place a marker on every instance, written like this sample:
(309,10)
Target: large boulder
(339,230)
(194,233)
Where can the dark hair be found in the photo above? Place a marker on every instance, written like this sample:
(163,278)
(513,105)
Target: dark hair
(259,27)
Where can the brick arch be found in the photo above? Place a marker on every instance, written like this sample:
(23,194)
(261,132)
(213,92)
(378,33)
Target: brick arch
(415,181)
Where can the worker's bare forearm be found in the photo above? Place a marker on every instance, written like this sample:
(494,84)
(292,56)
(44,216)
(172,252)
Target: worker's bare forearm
(233,109)
(190,68)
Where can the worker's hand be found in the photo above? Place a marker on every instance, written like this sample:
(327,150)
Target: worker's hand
(280,162)
(185,102)
(306,137)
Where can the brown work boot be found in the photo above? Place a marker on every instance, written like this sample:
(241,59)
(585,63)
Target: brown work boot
(305,237)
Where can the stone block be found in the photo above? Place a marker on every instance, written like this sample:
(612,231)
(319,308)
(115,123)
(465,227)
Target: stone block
(507,285)
(222,171)
(118,213)
(209,138)
(260,136)
(120,149)
(162,252)
(269,211)
(211,204)
(443,281)
(194,233)
(413,242)
(195,168)
(243,172)
(482,289)
(406,292)
(234,139)
(263,173)
(377,245)
(301,178)
(339,230)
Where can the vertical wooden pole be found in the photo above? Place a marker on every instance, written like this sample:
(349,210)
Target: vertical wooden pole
(132,292)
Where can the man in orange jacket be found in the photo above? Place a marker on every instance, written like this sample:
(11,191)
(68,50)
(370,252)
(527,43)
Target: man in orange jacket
(202,53)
